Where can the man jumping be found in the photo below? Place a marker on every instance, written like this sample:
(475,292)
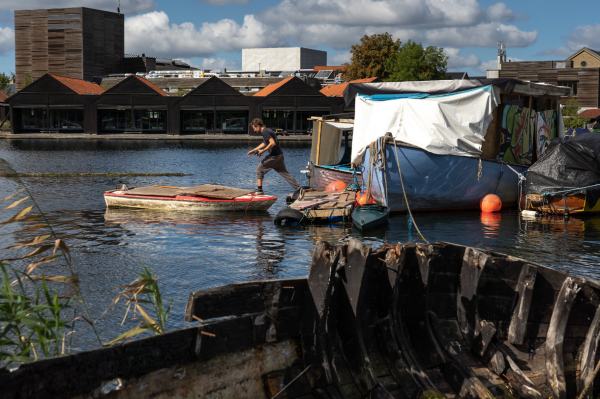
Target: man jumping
(272,161)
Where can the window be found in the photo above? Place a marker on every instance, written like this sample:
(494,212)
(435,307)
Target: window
(64,26)
(66,119)
(302,122)
(61,17)
(115,119)
(583,64)
(72,16)
(56,26)
(232,120)
(569,83)
(279,119)
(198,120)
(34,118)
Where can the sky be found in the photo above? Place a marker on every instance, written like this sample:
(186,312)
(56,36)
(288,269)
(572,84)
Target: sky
(211,33)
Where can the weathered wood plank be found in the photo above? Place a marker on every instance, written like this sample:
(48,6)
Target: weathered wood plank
(556,335)
(473,264)
(586,363)
(518,323)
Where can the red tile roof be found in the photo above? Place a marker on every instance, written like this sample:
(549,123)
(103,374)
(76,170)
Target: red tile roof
(79,86)
(329,68)
(338,90)
(272,87)
(3,97)
(152,86)
(590,113)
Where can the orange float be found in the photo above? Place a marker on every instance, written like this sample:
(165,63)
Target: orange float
(491,203)
(337,185)
(361,198)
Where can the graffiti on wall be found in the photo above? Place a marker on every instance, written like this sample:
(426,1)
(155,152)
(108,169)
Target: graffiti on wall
(518,133)
(545,131)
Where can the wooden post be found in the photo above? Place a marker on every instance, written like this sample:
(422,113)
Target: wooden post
(318,143)
(556,335)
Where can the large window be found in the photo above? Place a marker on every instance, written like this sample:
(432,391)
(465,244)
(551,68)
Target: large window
(139,119)
(232,121)
(302,122)
(569,83)
(279,119)
(198,120)
(59,119)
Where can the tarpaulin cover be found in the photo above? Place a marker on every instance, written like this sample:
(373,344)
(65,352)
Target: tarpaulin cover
(453,124)
(570,165)
(432,87)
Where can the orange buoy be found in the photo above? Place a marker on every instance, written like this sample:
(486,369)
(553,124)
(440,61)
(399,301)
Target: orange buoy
(337,185)
(491,203)
(361,198)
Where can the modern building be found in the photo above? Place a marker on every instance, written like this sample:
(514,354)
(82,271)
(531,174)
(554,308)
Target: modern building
(77,43)
(580,71)
(282,58)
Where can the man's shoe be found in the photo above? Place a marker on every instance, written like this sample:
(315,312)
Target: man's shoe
(258,191)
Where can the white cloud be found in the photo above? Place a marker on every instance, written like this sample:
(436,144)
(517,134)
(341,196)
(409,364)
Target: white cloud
(491,65)
(582,36)
(338,59)
(152,34)
(499,12)
(7,40)
(482,35)
(218,64)
(456,61)
(224,2)
(127,6)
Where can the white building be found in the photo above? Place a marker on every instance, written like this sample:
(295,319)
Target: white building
(282,58)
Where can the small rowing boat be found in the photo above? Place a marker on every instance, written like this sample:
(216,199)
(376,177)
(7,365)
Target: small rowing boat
(368,216)
(204,197)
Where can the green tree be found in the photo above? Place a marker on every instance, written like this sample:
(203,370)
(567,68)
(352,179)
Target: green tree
(571,112)
(369,57)
(27,81)
(412,62)
(5,80)
(181,91)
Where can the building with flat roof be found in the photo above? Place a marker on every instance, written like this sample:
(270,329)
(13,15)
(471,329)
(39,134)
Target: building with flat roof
(282,58)
(77,43)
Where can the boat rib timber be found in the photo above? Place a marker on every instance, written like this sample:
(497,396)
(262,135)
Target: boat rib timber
(403,321)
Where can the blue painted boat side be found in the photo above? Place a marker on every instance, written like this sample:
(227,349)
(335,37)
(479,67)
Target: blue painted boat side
(440,182)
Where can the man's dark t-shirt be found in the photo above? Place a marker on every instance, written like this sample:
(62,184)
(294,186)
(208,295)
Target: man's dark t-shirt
(269,134)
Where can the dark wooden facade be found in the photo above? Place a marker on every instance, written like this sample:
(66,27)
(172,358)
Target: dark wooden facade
(73,42)
(586,79)
(135,105)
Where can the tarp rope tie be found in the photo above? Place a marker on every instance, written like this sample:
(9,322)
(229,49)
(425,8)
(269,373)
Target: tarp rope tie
(569,190)
(404,192)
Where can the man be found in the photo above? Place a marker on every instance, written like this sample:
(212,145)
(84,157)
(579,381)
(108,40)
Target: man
(272,161)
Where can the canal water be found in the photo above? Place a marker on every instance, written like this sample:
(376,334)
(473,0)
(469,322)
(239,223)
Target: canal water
(192,251)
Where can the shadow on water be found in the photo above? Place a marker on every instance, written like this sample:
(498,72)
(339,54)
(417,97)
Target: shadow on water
(190,251)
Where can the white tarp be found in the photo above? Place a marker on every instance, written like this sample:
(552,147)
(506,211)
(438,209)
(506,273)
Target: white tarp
(450,124)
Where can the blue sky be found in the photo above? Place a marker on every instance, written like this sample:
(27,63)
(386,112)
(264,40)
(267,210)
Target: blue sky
(211,33)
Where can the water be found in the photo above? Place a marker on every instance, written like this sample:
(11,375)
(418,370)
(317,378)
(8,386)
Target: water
(193,251)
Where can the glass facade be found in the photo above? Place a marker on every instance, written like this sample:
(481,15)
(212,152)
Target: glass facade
(302,122)
(235,121)
(58,119)
(279,119)
(198,120)
(138,119)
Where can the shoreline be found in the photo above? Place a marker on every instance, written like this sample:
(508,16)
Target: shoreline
(124,136)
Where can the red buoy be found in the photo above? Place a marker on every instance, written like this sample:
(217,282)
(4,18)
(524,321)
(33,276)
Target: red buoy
(361,198)
(491,203)
(337,185)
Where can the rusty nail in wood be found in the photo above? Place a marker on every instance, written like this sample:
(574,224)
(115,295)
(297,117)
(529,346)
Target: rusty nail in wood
(197,318)
(207,333)
(291,288)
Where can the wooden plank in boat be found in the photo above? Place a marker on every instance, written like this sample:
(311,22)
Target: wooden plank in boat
(153,191)
(325,213)
(214,191)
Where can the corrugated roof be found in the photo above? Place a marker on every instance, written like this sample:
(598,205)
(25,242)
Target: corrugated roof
(338,90)
(152,86)
(590,113)
(3,97)
(79,86)
(271,88)
(329,68)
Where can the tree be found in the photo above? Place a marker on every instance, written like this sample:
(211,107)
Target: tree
(368,57)
(571,112)
(27,81)
(412,62)
(5,80)
(181,91)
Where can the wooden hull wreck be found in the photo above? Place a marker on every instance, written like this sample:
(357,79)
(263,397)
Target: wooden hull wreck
(405,321)
(182,202)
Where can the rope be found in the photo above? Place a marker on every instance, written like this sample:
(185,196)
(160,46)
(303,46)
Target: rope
(479,170)
(404,192)
(569,190)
